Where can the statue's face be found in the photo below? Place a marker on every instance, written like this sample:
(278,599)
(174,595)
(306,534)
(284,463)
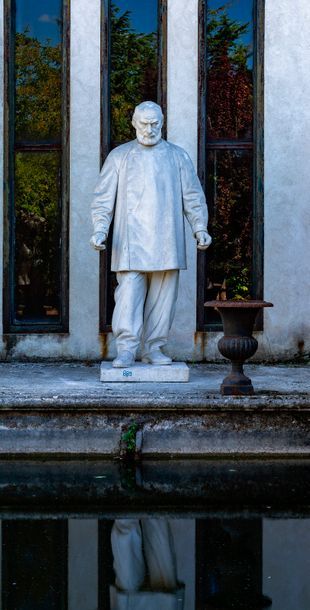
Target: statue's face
(148,124)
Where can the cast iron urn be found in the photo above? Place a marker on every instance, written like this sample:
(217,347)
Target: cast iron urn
(237,344)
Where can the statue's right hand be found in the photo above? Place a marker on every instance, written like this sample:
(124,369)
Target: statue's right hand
(98,240)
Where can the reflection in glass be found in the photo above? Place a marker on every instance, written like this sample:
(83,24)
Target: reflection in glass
(230,69)
(37,124)
(231,218)
(37,235)
(38,71)
(134,62)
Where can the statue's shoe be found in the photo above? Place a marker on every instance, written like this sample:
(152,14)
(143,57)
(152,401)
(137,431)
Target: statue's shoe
(123,360)
(156,357)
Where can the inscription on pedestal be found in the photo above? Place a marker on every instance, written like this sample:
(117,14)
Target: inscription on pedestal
(177,372)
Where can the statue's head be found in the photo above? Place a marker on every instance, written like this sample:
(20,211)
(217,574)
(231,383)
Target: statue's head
(148,120)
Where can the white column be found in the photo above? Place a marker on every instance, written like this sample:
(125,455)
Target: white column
(287,176)
(182,130)
(83,564)
(85,165)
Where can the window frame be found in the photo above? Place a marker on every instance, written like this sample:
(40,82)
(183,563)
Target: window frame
(257,146)
(10,324)
(104,272)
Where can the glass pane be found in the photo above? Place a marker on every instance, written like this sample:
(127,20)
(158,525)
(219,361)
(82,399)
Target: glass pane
(230,69)
(231,224)
(134,59)
(37,236)
(38,59)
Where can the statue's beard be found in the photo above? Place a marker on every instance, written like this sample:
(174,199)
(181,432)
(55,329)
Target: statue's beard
(148,140)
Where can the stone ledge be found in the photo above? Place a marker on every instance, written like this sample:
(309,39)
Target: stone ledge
(64,410)
(161,436)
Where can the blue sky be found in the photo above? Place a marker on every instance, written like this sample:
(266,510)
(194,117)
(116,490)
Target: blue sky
(40,17)
(143,13)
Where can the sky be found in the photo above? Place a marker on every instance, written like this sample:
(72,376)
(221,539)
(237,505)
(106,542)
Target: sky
(143,14)
(40,17)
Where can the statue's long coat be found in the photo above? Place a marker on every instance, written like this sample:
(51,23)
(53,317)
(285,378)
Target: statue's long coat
(149,189)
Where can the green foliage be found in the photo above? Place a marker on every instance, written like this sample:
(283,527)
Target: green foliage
(37,214)
(129,439)
(38,89)
(238,286)
(223,36)
(232,220)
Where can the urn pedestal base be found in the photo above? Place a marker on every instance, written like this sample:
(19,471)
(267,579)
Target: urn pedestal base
(237,384)
(237,350)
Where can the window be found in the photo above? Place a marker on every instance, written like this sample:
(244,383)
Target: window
(133,70)
(36,121)
(231,151)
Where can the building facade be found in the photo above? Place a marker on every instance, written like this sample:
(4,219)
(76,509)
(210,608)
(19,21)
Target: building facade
(233,81)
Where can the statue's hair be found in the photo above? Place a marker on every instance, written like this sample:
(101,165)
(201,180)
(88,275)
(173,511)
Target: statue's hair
(147,106)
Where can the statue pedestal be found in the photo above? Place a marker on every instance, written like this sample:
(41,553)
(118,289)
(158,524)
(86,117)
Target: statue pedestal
(177,372)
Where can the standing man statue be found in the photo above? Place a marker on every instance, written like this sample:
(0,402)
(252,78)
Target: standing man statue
(148,185)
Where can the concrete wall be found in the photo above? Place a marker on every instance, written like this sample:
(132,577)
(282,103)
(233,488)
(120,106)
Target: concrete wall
(287,183)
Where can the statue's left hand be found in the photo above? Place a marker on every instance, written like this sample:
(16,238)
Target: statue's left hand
(203,240)
(98,241)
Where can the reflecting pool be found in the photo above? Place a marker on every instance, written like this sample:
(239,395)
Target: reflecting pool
(195,535)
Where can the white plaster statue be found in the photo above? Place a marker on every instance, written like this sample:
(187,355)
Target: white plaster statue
(145,567)
(148,185)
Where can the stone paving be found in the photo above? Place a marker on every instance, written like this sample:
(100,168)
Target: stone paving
(32,384)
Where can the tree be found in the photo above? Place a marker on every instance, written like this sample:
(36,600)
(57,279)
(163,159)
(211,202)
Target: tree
(230,82)
(38,89)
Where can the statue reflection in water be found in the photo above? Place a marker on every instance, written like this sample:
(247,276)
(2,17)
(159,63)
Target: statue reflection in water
(145,566)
